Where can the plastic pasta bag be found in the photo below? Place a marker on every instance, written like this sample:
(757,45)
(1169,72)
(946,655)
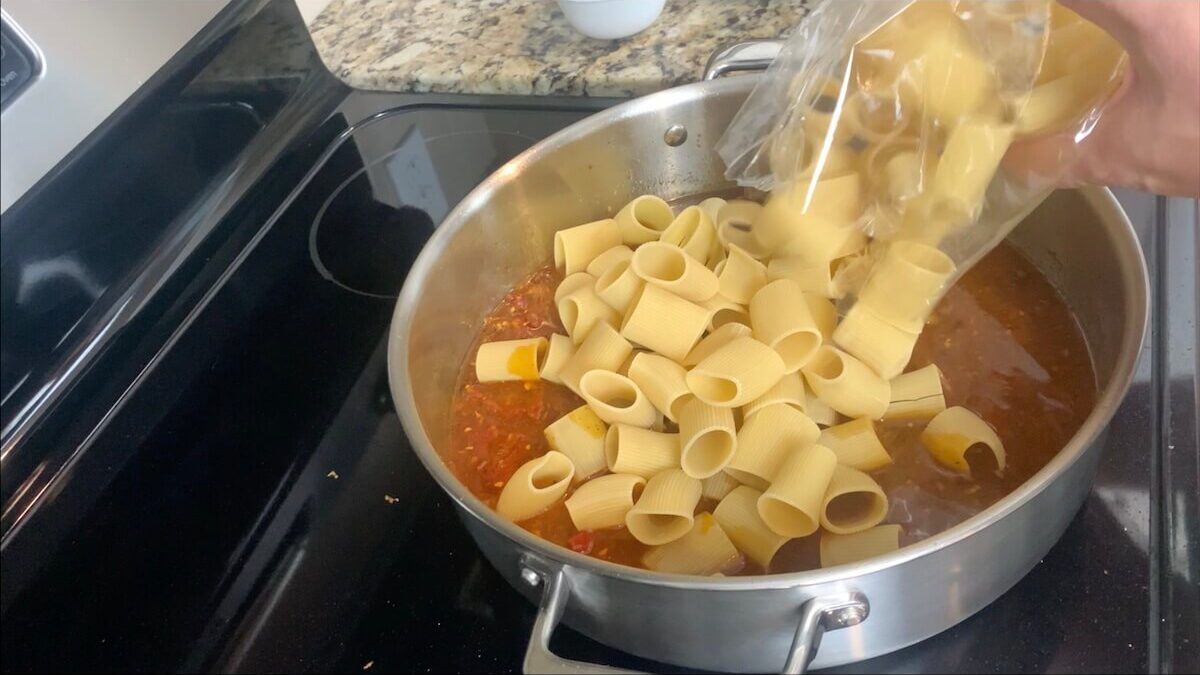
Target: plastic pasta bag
(879,132)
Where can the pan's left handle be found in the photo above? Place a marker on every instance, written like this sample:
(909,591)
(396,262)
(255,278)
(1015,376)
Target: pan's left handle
(744,56)
(556,592)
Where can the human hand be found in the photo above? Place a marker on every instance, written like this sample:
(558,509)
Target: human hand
(1148,134)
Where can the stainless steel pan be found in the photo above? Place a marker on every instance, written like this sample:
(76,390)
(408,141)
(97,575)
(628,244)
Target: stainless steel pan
(662,144)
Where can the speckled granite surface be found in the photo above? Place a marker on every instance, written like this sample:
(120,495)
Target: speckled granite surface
(527,47)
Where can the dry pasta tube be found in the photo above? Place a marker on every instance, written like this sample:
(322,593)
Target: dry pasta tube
(616,399)
(664,322)
(906,284)
(644,219)
(856,445)
(581,310)
(609,258)
(780,319)
(824,314)
(791,507)
(765,440)
(875,119)
(580,436)
(818,410)
(577,246)
(737,514)
(603,502)
(741,276)
(720,337)
(917,395)
(716,256)
(789,390)
(640,451)
(693,231)
(951,79)
(954,431)
(970,160)
(669,267)
(707,438)
(535,486)
(846,384)
(662,380)
(812,220)
(718,485)
(736,373)
(618,286)
(705,550)
(560,351)
(712,207)
(1054,105)
(665,510)
(877,343)
(735,227)
(604,349)
(814,279)
(723,311)
(572,283)
(510,360)
(842,549)
(853,502)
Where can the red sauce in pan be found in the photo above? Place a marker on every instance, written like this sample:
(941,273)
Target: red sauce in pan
(1009,349)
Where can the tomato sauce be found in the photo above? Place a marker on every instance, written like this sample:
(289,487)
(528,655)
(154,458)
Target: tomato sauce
(1008,346)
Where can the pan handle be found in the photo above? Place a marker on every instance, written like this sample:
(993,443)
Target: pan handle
(556,591)
(820,614)
(817,615)
(743,56)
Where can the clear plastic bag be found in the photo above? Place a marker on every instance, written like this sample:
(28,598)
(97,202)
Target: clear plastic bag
(886,121)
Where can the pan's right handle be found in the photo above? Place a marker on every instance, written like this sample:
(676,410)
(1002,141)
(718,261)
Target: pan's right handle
(743,56)
(820,614)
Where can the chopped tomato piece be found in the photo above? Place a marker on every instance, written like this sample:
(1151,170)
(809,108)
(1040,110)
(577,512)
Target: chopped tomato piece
(582,542)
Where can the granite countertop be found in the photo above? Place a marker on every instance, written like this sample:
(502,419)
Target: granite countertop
(527,47)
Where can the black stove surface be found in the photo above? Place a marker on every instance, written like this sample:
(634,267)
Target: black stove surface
(273,517)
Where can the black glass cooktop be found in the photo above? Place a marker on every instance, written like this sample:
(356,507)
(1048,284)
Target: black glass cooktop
(272,517)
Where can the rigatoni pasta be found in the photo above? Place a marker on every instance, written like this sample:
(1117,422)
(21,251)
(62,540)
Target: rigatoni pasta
(718,485)
(668,266)
(510,360)
(535,486)
(705,550)
(616,399)
(765,440)
(580,436)
(846,384)
(644,219)
(853,502)
(954,431)
(856,445)
(580,311)
(561,349)
(662,380)
(789,390)
(737,514)
(604,502)
(877,343)
(842,549)
(604,349)
(916,394)
(618,285)
(600,264)
(780,319)
(792,505)
(666,509)
(693,231)
(906,284)
(707,438)
(736,373)
(577,246)
(640,451)
(664,322)
(741,276)
(722,311)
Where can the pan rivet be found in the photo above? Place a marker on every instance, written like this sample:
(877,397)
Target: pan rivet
(530,577)
(676,135)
